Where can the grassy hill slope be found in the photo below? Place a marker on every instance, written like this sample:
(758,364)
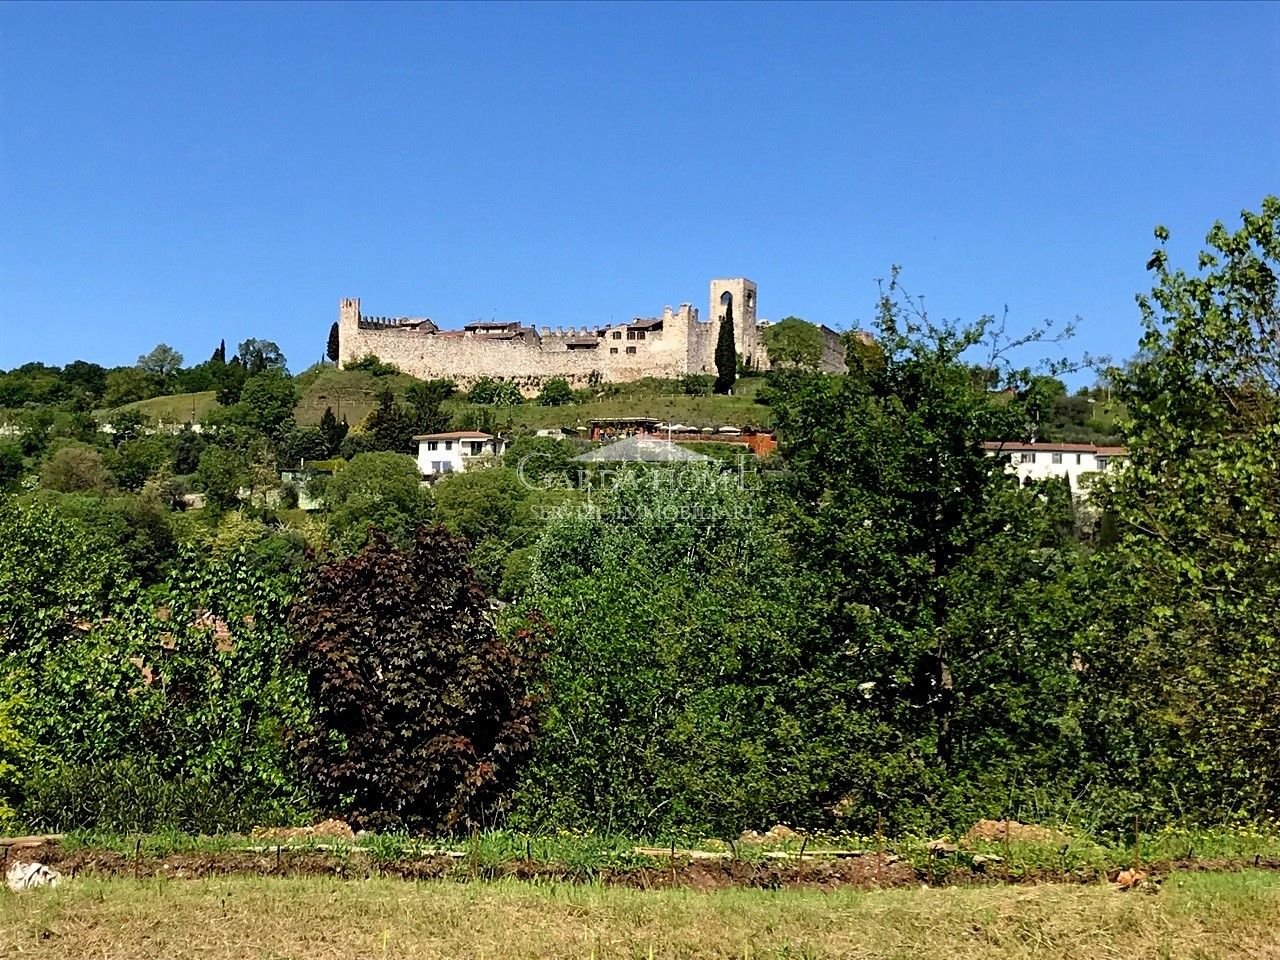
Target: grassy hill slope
(177,407)
(353,393)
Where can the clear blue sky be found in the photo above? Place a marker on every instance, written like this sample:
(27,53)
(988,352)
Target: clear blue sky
(184,173)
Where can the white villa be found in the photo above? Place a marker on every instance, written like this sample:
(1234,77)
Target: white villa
(441,453)
(1044,460)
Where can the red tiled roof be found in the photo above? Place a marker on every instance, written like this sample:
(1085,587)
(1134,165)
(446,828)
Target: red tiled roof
(455,435)
(1013,446)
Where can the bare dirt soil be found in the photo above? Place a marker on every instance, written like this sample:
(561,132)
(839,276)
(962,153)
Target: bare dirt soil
(867,870)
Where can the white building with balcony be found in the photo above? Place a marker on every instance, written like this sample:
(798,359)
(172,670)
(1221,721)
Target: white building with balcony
(457,452)
(1043,460)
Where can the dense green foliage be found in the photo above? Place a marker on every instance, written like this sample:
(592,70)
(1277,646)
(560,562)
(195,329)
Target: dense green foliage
(670,663)
(496,392)
(794,343)
(1187,647)
(555,392)
(378,489)
(943,628)
(877,621)
(186,678)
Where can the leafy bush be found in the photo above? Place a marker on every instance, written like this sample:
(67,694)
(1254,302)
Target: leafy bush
(371,364)
(76,467)
(671,673)
(697,384)
(422,715)
(14,749)
(496,392)
(133,796)
(555,392)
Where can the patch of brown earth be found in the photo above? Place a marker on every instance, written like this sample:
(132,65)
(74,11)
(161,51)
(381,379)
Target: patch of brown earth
(866,870)
(995,830)
(331,829)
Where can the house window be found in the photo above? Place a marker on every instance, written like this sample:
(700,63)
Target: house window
(631,334)
(433,444)
(477,448)
(1026,458)
(1102,463)
(441,466)
(639,334)
(448,444)
(617,334)
(1078,460)
(631,349)
(1057,458)
(613,349)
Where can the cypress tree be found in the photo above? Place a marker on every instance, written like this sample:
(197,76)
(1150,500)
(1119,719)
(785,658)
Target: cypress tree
(726,355)
(334,432)
(333,343)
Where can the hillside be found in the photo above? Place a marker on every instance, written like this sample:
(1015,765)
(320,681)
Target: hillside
(177,407)
(353,393)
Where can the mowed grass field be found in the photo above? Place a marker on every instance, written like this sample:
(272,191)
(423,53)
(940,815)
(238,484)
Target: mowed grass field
(1204,915)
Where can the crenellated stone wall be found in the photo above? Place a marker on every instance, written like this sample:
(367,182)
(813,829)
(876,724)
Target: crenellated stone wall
(671,345)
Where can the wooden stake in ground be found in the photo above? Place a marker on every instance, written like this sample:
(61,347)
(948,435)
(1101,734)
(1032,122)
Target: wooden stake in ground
(1137,842)
(1006,849)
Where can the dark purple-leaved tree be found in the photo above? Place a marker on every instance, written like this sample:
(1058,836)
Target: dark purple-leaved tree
(422,715)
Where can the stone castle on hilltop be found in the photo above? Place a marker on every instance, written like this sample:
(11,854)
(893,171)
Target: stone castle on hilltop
(672,345)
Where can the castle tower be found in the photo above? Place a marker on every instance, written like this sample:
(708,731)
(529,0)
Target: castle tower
(348,330)
(739,294)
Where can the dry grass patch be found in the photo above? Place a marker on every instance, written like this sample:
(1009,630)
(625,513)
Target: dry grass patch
(1208,915)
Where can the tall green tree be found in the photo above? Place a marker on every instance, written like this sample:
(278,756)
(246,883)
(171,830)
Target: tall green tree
(231,382)
(390,425)
(1185,655)
(259,355)
(555,392)
(943,630)
(221,473)
(726,354)
(382,489)
(425,400)
(793,342)
(267,403)
(163,361)
(331,349)
(334,432)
